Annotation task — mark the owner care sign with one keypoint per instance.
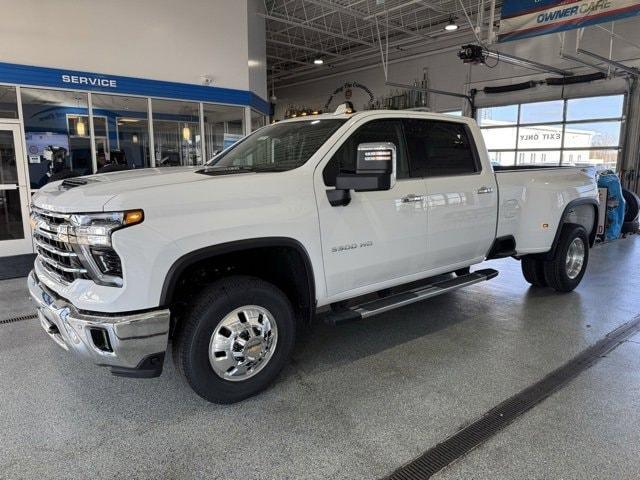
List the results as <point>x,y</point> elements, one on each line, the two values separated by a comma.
<point>529,18</point>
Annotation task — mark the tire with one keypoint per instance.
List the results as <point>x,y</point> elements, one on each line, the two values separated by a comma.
<point>204,328</point>
<point>632,208</point>
<point>630,227</point>
<point>560,274</point>
<point>533,271</point>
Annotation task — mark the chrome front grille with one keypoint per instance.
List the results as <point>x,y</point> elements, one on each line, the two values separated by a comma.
<point>57,257</point>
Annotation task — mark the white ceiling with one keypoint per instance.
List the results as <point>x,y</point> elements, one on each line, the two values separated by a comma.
<point>349,33</point>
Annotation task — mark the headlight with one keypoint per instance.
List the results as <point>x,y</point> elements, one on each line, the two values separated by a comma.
<point>95,229</point>
<point>90,237</point>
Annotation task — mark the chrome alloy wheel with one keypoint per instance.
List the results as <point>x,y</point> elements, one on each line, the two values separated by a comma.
<point>243,343</point>
<point>575,258</point>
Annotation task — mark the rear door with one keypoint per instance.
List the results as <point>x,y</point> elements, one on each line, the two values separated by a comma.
<point>461,194</point>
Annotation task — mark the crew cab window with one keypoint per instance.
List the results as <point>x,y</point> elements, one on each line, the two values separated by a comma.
<point>344,160</point>
<point>438,148</point>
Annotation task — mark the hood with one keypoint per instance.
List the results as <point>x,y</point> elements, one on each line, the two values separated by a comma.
<point>93,192</point>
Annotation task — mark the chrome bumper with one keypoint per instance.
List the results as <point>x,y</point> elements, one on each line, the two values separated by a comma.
<point>131,345</point>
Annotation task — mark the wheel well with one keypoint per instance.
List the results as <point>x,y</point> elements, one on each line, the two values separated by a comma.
<point>584,212</point>
<point>285,265</point>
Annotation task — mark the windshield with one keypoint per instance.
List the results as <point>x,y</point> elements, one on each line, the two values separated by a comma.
<point>277,147</point>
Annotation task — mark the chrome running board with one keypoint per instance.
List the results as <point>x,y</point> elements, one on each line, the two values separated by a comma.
<point>385,304</point>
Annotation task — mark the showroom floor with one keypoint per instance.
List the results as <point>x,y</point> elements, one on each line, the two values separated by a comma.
<point>358,400</point>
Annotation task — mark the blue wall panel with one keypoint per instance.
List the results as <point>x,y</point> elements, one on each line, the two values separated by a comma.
<point>97,82</point>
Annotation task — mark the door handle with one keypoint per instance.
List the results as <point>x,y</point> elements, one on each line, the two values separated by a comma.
<point>482,190</point>
<point>412,197</point>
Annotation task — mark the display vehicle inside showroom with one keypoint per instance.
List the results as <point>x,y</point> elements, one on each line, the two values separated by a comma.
<point>311,239</point>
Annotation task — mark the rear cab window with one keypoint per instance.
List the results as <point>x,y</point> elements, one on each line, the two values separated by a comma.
<point>439,148</point>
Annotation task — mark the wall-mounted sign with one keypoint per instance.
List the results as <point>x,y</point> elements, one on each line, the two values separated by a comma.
<point>33,76</point>
<point>90,81</point>
<point>529,18</point>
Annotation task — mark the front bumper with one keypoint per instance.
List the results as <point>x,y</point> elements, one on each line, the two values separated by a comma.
<point>130,345</point>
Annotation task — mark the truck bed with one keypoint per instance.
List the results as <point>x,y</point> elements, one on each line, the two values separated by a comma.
<point>533,199</point>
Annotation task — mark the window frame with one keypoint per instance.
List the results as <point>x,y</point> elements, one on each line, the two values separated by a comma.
<point>479,167</point>
<point>563,150</point>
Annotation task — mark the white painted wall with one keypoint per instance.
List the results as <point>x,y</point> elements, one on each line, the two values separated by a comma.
<point>155,39</point>
<point>447,72</point>
<point>257,49</point>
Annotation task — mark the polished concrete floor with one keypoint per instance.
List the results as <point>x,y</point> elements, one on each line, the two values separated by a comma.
<point>358,400</point>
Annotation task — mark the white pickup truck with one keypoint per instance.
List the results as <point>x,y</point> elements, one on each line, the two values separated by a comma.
<point>352,214</point>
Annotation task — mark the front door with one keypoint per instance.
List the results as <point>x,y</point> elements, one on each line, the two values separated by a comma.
<point>379,237</point>
<point>15,235</point>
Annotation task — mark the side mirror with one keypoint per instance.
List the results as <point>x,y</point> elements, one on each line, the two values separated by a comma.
<point>375,170</point>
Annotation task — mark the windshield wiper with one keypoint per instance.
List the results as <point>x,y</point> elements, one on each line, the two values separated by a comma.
<point>270,168</point>
<point>213,170</point>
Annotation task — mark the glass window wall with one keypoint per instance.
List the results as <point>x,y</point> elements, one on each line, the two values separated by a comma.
<point>582,131</point>
<point>8,102</point>
<point>58,131</point>
<point>223,126</point>
<point>257,120</point>
<point>176,133</point>
<point>56,134</point>
<point>121,127</point>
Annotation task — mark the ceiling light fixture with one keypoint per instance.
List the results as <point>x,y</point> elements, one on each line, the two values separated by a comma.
<point>318,61</point>
<point>452,26</point>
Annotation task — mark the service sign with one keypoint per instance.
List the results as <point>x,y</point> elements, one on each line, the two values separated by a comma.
<point>530,18</point>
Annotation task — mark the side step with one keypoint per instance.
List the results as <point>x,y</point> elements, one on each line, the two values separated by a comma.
<point>377,306</point>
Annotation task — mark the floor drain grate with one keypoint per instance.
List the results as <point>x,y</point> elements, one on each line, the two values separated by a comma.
<point>19,318</point>
<point>443,454</point>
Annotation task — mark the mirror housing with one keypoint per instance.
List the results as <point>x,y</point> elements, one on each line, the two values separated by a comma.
<point>375,171</point>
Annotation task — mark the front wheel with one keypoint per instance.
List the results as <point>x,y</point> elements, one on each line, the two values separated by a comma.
<point>236,339</point>
<point>565,271</point>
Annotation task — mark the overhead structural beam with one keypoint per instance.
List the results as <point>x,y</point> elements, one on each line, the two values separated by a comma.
<point>369,54</point>
<point>621,66</point>
<point>584,62</point>
<point>523,62</point>
<point>429,90</point>
<point>290,60</point>
<point>423,3</point>
<point>305,48</point>
<point>359,15</point>
<point>619,37</point>
<point>306,26</point>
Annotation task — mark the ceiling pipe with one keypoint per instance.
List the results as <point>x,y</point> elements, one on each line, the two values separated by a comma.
<point>374,53</point>
<point>359,15</point>
<point>584,62</point>
<point>313,28</point>
<point>369,67</point>
<point>428,90</point>
<point>633,71</point>
<point>523,62</point>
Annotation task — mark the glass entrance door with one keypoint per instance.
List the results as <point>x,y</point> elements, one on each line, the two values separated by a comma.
<point>15,236</point>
